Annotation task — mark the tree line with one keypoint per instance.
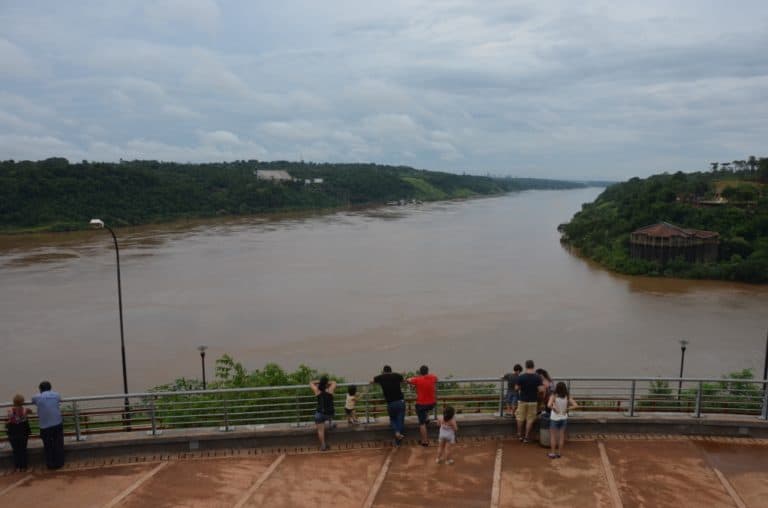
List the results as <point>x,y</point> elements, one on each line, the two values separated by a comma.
<point>56,195</point>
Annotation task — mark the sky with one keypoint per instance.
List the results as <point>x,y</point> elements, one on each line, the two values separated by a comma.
<point>550,89</point>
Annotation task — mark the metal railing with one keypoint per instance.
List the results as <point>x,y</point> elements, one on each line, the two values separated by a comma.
<point>227,409</point>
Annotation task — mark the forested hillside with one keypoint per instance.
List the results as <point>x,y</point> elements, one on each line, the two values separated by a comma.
<point>56,195</point>
<point>733,203</point>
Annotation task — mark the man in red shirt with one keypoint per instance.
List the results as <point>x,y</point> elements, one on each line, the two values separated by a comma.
<point>426,398</point>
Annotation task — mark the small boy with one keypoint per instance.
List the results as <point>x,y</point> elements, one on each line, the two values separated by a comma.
<point>349,405</point>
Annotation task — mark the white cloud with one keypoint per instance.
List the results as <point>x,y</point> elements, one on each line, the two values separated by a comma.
<point>201,15</point>
<point>16,62</point>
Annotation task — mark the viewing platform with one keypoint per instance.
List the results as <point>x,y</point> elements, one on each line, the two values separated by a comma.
<point>634,442</point>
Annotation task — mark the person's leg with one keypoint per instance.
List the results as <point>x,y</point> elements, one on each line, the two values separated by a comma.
<point>47,439</point>
<point>401,418</point>
<point>529,420</point>
<point>562,438</point>
<point>23,454</point>
<point>447,453</point>
<point>321,434</point>
<point>16,448</point>
<point>552,440</point>
<point>391,412</point>
<point>58,445</point>
<point>440,448</point>
<point>520,421</point>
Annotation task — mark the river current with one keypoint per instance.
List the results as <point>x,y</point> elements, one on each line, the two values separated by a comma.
<point>467,287</point>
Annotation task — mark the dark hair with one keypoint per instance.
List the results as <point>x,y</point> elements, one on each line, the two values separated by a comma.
<point>387,369</point>
<point>561,390</point>
<point>352,389</point>
<point>543,373</point>
<point>423,370</point>
<point>517,368</point>
<point>45,386</point>
<point>323,383</point>
<point>448,413</point>
<point>529,364</point>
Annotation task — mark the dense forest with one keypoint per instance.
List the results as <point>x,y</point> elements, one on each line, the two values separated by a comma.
<point>730,199</point>
<point>55,195</point>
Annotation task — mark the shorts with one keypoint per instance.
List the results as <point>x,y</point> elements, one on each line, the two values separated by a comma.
<point>321,418</point>
<point>447,435</point>
<point>526,411</point>
<point>422,411</point>
<point>348,411</point>
<point>558,424</point>
<point>512,398</point>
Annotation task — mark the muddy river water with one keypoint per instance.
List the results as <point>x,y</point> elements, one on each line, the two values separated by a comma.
<point>468,287</point>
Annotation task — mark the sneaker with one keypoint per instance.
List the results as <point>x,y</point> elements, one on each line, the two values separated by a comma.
<point>425,444</point>
<point>525,440</point>
<point>449,461</point>
<point>325,447</point>
<point>557,455</point>
<point>438,461</point>
<point>552,455</point>
<point>521,438</point>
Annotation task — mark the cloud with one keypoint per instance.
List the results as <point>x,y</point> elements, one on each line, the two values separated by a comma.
<point>562,89</point>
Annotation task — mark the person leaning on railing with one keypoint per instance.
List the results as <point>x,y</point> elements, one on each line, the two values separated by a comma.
<point>17,427</point>
<point>51,425</point>
<point>323,390</point>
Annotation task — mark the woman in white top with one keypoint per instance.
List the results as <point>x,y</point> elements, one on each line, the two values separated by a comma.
<point>559,403</point>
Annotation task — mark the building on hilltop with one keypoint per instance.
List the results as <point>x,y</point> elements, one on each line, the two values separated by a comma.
<point>665,242</point>
<point>273,175</point>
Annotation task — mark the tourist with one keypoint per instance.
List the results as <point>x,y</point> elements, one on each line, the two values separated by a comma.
<point>51,425</point>
<point>426,398</point>
<point>349,405</point>
<point>529,384</point>
<point>512,394</point>
<point>559,402</point>
<point>17,427</point>
<point>390,385</point>
<point>447,436</point>
<point>323,390</point>
<point>549,389</point>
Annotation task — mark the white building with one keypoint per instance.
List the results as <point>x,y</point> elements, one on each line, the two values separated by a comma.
<point>275,176</point>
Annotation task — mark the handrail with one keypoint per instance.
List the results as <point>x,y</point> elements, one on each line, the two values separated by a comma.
<point>441,381</point>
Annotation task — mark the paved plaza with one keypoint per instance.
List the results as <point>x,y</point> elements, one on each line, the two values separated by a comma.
<point>596,470</point>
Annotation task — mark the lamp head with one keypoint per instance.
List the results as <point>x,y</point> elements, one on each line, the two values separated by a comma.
<point>97,223</point>
<point>202,349</point>
<point>683,343</point>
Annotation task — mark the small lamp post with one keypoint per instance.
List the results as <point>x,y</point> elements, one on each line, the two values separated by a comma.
<point>202,362</point>
<point>99,224</point>
<point>683,346</point>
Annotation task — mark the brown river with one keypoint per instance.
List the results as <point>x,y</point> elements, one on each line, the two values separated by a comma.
<point>467,287</point>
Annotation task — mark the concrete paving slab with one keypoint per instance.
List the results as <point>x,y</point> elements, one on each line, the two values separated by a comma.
<point>199,483</point>
<point>339,479</point>
<point>744,466</point>
<point>658,474</point>
<point>9,479</point>
<point>82,488</point>
<point>415,480</point>
<point>529,478</point>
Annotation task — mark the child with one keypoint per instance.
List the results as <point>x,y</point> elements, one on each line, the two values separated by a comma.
<point>559,403</point>
<point>447,437</point>
<point>349,405</point>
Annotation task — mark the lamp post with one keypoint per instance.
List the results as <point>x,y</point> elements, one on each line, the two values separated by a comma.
<point>99,224</point>
<point>202,362</point>
<point>683,346</point>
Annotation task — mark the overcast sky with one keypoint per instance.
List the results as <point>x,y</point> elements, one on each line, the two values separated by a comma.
<point>547,89</point>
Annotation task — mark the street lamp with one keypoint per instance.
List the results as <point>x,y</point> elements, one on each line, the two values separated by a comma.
<point>99,224</point>
<point>202,361</point>
<point>683,346</point>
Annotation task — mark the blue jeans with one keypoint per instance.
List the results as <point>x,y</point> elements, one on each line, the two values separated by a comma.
<point>396,412</point>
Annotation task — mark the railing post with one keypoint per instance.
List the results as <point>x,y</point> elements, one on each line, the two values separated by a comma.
<point>367,404</point>
<point>298,413</point>
<point>699,394</point>
<point>153,416</point>
<point>501,398</point>
<point>226,414</point>
<point>632,398</point>
<point>76,414</point>
<point>764,412</point>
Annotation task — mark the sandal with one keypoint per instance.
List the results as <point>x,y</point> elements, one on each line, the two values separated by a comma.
<point>552,455</point>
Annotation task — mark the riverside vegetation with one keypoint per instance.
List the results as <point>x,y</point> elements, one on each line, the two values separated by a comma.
<point>732,203</point>
<point>56,195</point>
